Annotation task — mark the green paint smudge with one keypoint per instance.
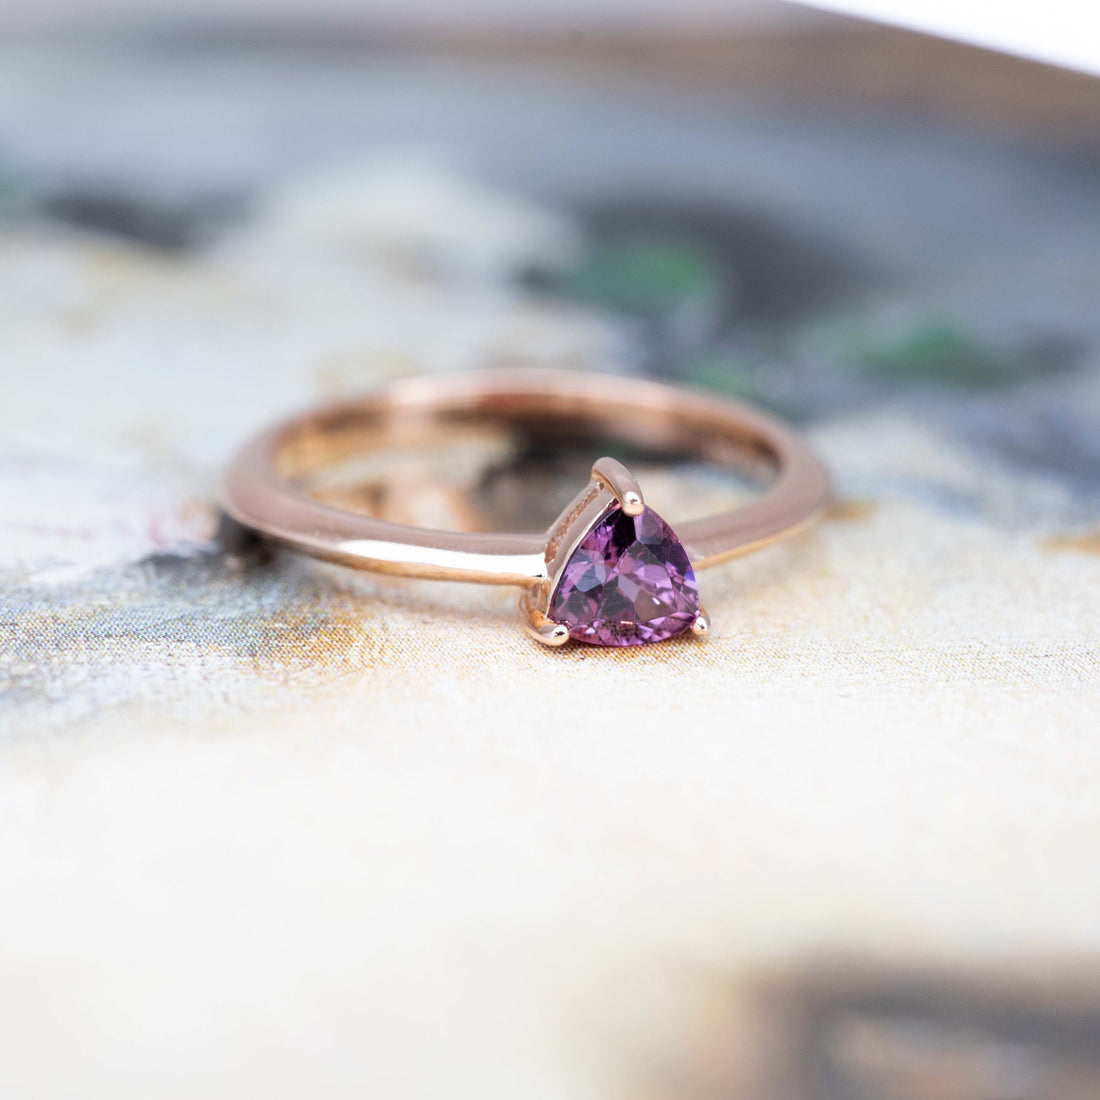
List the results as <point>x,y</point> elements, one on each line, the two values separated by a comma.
<point>939,352</point>
<point>648,274</point>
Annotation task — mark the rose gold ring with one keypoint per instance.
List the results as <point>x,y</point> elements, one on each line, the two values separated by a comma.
<point>609,570</point>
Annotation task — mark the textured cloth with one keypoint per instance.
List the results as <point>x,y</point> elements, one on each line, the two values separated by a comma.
<point>275,828</point>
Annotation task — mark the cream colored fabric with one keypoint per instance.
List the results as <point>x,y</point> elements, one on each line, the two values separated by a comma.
<point>294,831</point>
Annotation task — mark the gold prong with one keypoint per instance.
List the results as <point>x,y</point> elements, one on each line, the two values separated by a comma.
<point>701,627</point>
<point>547,631</point>
<point>617,479</point>
<point>539,625</point>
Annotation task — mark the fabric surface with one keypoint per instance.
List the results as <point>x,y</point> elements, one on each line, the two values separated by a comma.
<point>269,827</point>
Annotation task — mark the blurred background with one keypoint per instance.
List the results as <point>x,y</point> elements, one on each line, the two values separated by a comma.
<point>214,213</point>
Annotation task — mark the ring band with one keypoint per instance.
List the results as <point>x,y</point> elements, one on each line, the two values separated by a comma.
<point>609,568</point>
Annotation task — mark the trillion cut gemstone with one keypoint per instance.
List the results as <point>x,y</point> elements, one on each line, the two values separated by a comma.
<point>628,582</point>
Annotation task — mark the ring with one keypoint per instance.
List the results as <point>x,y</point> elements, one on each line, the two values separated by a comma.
<point>609,571</point>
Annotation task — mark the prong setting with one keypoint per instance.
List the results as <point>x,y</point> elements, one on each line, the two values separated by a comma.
<point>615,573</point>
<point>549,633</point>
<point>621,483</point>
<point>701,627</point>
<point>539,625</point>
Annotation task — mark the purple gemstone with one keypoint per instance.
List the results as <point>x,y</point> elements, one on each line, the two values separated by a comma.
<point>628,582</point>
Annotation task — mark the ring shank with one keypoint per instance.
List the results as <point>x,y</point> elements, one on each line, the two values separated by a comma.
<point>260,492</point>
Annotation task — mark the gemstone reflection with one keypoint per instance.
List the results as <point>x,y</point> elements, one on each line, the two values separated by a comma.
<point>628,582</point>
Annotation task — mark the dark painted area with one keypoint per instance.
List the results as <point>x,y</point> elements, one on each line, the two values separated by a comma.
<point>933,1036</point>
<point>856,1030</point>
<point>756,265</point>
<point>156,221</point>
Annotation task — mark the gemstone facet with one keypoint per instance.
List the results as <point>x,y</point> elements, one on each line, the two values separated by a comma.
<point>628,582</point>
